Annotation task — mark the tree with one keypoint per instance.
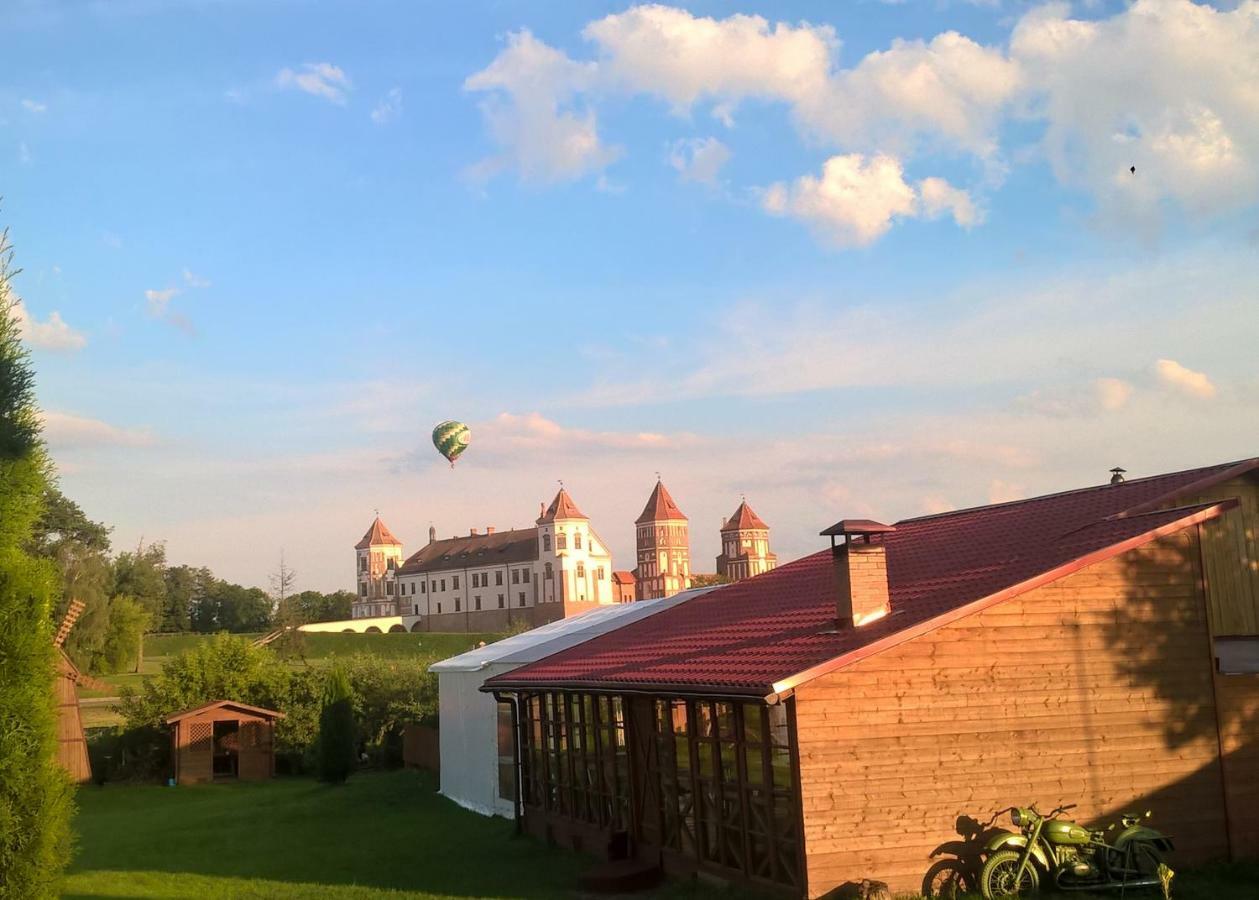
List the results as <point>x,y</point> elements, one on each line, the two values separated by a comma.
<point>142,576</point>
<point>282,581</point>
<point>708,580</point>
<point>124,639</point>
<point>336,729</point>
<point>35,798</point>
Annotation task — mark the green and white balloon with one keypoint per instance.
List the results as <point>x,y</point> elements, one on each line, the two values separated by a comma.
<point>451,438</point>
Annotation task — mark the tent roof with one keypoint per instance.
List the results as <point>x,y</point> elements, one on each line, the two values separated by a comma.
<point>538,643</point>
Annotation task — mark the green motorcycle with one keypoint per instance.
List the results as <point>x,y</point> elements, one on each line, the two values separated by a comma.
<point>1072,857</point>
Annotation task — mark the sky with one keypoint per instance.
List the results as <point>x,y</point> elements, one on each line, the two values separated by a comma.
<point>844,259</point>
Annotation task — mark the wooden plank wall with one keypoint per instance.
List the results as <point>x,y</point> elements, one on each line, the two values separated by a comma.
<point>1095,690</point>
<point>1237,702</point>
<point>71,743</point>
<point>1230,556</point>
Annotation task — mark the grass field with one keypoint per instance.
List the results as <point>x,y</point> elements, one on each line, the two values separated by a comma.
<point>385,835</point>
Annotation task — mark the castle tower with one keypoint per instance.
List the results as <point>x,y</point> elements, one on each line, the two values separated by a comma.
<point>378,557</point>
<point>664,547</point>
<point>576,566</point>
<point>744,546</point>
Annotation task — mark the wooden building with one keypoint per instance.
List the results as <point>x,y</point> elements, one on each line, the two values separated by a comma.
<point>829,721</point>
<point>71,742</point>
<point>223,741</point>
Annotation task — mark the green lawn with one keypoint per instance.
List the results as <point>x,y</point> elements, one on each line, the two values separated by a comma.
<point>383,835</point>
<point>386,835</point>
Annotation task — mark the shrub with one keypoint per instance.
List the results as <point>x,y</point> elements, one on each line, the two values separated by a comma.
<point>336,729</point>
<point>35,797</point>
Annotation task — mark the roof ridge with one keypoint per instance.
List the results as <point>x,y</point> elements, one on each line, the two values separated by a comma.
<point>1066,493</point>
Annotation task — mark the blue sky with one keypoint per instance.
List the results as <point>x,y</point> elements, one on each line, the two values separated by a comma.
<point>844,258</point>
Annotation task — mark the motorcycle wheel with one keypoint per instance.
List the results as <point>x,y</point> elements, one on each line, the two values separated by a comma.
<point>947,879</point>
<point>997,880</point>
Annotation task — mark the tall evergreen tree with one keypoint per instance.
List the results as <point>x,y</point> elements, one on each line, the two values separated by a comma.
<point>336,729</point>
<point>35,793</point>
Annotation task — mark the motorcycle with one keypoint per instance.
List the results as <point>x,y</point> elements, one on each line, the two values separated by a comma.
<point>1072,857</point>
<point>958,874</point>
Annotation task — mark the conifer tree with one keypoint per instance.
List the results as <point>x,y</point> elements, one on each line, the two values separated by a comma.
<point>336,729</point>
<point>35,795</point>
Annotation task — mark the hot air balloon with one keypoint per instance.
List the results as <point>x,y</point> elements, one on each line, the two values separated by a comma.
<point>451,438</point>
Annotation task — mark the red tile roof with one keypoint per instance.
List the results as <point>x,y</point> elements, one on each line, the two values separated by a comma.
<point>769,633</point>
<point>621,576</point>
<point>744,519</point>
<point>660,507</point>
<point>562,507</point>
<point>378,534</point>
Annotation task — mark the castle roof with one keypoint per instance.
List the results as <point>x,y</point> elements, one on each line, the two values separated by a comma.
<point>774,632</point>
<point>660,507</point>
<point>377,535</point>
<point>744,519</point>
<point>499,548</point>
<point>562,507</point>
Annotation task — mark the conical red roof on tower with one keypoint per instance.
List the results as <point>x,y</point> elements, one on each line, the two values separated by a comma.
<point>378,534</point>
<point>562,507</point>
<point>743,519</point>
<point>660,507</point>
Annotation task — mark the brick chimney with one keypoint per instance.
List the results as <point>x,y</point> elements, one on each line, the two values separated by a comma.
<point>860,565</point>
<point>472,533</point>
<point>489,529</point>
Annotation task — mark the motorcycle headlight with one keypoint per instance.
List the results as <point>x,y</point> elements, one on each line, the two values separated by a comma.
<point>1016,818</point>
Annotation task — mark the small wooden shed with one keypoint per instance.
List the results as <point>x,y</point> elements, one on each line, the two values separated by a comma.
<point>223,741</point>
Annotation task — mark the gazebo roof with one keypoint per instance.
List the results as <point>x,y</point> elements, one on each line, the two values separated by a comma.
<point>220,704</point>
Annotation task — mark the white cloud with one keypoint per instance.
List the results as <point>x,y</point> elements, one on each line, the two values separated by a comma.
<point>1166,86</point>
<point>34,106</point>
<point>54,333</point>
<point>939,197</point>
<point>856,199</point>
<point>1173,375</point>
<point>317,79</point>
<point>531,114</point>
<point>699,159</point>
<point>194,280</point>
<point>66,431</point>
<point>389,107</point>
<point>24,154</point>
<point>511,433</point>
<point>1112,393</point>
<point>159,300</point>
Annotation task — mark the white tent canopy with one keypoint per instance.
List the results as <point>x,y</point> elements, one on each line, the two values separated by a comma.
<point>475,746</point>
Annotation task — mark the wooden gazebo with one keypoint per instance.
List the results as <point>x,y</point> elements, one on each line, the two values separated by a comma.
<point>223,741</point>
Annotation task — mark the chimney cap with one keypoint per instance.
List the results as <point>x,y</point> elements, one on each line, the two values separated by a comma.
<point>857,526</point>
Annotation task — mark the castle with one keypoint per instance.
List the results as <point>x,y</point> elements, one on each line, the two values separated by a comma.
<point>494,581</point>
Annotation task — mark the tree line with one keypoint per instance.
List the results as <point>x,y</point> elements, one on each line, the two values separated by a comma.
<point>137,591</point>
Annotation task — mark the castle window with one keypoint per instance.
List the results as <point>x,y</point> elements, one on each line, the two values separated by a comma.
<point>599,574</point>
<point>439,608</point>
<point>392,564</point>
<point>576,540</point>
<point>498,577</point>
<point>362,590</point>
<point>581,570</point>
<point>443,584</point>
<point>546,542</point>
<point>362,563</point>
<point>515,576</point>
<point>521,596</point>
<point>525,575</point>
<point>423,587</point>
<point>415,610</point>
<point>478,601</point>
<point>500,601</point>
<point>548,574</point>
<point>561,541</point>
<point>456,604</point>
<point>454,582</point>
<point>389,588</point>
